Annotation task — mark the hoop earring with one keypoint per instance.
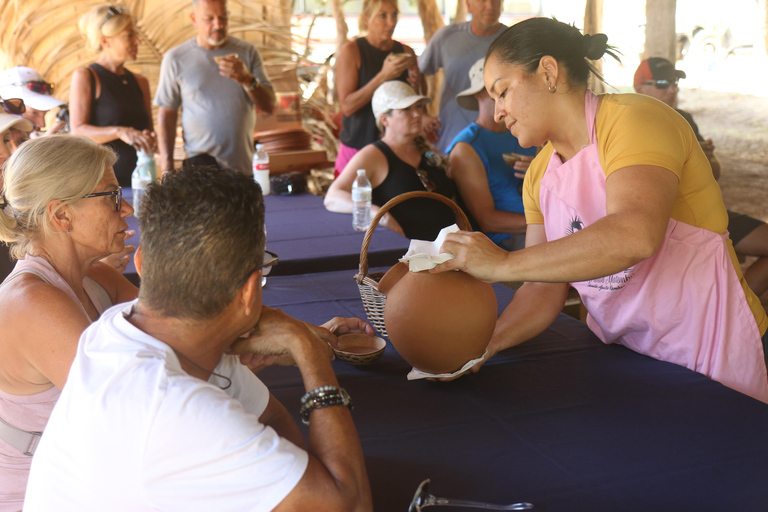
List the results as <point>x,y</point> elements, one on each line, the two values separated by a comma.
<point>550,89</point>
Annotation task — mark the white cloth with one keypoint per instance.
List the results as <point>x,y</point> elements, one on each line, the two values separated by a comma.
<point>415,374</point>
<point>424,255</point>
<point>132,431</point>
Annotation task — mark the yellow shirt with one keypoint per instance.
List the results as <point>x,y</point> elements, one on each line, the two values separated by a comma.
<point>634,129</point>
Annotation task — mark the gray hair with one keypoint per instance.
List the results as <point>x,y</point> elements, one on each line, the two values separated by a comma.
<point>58,167</point>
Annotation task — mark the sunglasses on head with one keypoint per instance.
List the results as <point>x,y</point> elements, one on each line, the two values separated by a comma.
<point>662,84</point>
<point>13,106</point>
<point>112,12</point>
<point>38,86</point>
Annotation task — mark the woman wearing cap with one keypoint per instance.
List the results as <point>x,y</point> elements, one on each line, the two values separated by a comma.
<point>487,184</point>
<point>621,203</point>
<point>26,84</point>
<point>60,212</point>
<point>364,64</point>
<point>107,102</point>
<point>400,162</point>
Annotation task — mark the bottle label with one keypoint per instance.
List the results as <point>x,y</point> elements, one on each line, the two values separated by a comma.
<point>361,195</point>
<point>261,167</point>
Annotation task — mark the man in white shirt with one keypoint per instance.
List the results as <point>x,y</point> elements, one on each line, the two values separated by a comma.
<point>156,415</point>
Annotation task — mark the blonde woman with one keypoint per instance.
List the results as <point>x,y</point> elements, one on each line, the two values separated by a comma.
<point>61,210</point>
<point>362,65</point>
<point>107,102</point>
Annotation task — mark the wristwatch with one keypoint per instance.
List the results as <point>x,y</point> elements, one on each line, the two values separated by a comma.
<point>254,85</point>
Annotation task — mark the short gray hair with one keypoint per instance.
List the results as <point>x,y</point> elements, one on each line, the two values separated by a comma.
<point>63,167</point>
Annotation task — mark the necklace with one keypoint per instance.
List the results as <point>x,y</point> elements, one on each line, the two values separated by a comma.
<point>229,381</point>
<point>178,353</point>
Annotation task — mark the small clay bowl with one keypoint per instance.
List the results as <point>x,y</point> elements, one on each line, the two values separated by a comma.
<point>359,349</point>
<point>511,158</point>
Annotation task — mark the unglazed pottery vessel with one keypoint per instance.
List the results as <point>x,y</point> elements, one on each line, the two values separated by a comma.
<point>437,322</point>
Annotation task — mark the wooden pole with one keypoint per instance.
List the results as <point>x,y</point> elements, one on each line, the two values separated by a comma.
<point>660,33</point>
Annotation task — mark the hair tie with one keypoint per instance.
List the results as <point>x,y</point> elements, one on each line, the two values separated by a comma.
<point>594,45</point>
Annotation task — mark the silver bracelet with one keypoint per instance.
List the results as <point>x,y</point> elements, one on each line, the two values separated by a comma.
<point>324,396</point>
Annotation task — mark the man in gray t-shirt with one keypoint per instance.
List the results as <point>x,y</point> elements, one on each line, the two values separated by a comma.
<point>455,48</point>
<point>218,81</point>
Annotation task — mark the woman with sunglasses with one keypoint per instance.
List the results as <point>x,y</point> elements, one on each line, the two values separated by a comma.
<point>107,102</point>
<point>621,204</point>
<point>61,211</point>
<point>400,162</point>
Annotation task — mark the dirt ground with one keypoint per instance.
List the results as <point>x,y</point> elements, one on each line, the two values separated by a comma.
<point>738,126</point>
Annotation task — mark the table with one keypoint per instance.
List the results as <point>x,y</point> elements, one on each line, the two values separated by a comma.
<point>563,421</point>
<point>309,238</point>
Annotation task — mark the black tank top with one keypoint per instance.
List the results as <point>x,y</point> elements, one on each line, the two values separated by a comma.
<point>359,129</point>
<point>420,218</point>
<point>120,103</point>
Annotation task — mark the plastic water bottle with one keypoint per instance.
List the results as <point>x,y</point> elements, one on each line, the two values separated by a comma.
<point>361,199</point>
<point>261,168</point>
<point>144,174</point>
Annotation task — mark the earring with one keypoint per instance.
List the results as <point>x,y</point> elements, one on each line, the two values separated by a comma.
<point>69,230</point>
<point>549,87</point>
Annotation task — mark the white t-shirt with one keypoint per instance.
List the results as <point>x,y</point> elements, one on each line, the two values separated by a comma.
<point>132,431</point>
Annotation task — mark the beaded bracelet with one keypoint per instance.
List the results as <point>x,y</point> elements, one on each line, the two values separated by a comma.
<point>324,396</point>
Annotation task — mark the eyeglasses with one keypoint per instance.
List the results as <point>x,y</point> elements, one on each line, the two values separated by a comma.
<point>14,106</point>
<point>270,260</point>
<point>117,193</point>
<point>114,10</point>
<point>662,84</point>
<point>424,178</point>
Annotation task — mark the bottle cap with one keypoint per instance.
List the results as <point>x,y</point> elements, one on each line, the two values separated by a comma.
<point>259,147</point>
<point>360,172</point>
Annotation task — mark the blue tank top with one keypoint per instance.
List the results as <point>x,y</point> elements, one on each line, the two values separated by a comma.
<point>502,182</point>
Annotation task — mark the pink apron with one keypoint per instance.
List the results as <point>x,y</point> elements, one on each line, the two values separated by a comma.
<point>684,305</point>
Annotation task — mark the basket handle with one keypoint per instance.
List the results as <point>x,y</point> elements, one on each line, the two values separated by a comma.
<point>461,220</point>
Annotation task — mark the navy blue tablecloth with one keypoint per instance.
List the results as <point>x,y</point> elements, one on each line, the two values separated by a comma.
<point>308,238</point>
<point>562,421</point>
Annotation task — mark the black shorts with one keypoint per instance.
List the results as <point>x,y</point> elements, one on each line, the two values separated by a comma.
<point>740,225</point>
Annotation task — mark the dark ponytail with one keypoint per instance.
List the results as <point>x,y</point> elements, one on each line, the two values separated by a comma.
<point>525,43</point>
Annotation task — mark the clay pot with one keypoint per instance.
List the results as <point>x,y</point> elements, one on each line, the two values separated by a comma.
<point>437,322</point>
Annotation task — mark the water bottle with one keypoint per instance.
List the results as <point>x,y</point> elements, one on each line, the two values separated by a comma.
<point>144,174</point>
<point>261,168</point>
<point>361,199</point>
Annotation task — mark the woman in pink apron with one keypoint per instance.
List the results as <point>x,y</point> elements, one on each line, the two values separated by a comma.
<point>621,204</point>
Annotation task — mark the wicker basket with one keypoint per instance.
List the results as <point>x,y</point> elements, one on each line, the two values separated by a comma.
<point>373,300</point>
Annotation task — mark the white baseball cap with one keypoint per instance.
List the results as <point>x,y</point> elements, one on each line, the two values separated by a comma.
<point>466,98</point>
<point>8,121</point>
<point>393,95</point>
<point>15,83</point>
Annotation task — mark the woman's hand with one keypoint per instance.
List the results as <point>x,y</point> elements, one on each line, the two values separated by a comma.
<point>143,140</point>
<point>473,253</point>
<point>430,126</point>
<point>394,66</point>
<point>119,260</point>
